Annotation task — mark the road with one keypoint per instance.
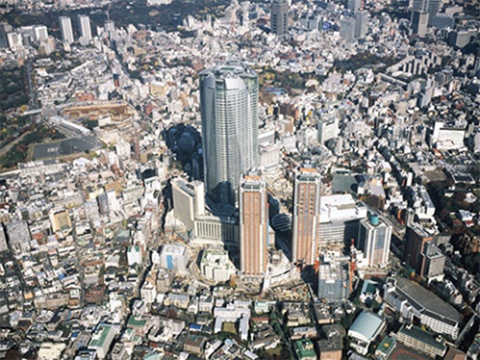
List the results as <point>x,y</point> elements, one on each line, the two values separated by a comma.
<point>11,144</point>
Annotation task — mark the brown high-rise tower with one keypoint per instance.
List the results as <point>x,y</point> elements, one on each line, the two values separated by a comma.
<point>306,216</point>
<point>253,226</point>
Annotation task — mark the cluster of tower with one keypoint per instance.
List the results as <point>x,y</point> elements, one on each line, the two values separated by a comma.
<point>229,108</point>
<point>84,27</point>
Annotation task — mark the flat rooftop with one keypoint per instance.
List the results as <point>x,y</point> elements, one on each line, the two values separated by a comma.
<point>426,299</point>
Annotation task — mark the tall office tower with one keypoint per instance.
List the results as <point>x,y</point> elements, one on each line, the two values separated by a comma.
<point>279,17</point>
<point>253,225</point>
<point>416,239</point>
<point>361,24</point>
<point>85,29</point>
<point>419,23</point>
<point>5,28</point>
<point>432,7</point>
<point>306,216</point>
<point>66,29</point>
<point>374,239</point>
<point>229,107</point>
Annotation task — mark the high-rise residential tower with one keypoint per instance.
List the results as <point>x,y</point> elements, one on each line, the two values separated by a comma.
<point>229,107</point>
<point>306,216</point>
<point>66,29</point>
<point>279,17</point>
<point>374,240</point>
<point>85,28</point>
<point>253,226</point>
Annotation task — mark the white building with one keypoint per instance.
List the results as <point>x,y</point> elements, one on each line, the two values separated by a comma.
<point>174,257</point>
<point>40,33</point>
<point>414,303</point>
<point>327,126</point>
<point>216,265</point>
<point>134,256</point>
<point>85,29</point>
<point>339,220</point>
<point>66,29</point>
<point>102,340</point>
<point>374,240</point>
<point>448,137</point>
<point>15,42</point>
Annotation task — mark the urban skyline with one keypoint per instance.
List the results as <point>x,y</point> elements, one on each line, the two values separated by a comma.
<point>230,180</point>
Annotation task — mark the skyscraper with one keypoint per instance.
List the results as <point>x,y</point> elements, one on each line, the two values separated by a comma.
<point>374,240</point>
<point>85,29</point>
<point>66,29</point>
<point>279,17</point>
<point>306,216</point>
<point>229,107</point>
<point>419,22</point>
<point>253,225</point>
<point>432,7</point>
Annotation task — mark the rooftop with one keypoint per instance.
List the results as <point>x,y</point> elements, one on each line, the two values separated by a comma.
<point>423,336</point>
<point>427,300</point>
<point>366,325</point>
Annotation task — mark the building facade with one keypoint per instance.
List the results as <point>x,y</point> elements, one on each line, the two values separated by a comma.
<point>66,29</point>
<point>279,17</point>
<point>306,216</point>
<point>374,240</point>
<point>85,28</point>
<point>229,108</point>
<point>253,226</point>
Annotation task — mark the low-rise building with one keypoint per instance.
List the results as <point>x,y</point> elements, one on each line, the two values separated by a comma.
<point>366,327</point>
<point>417,304</point>
<point>423,341</point>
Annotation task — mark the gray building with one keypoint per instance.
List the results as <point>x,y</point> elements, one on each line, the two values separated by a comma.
<point>66,29</point>
<point>419,23</point>
<point>347,28</point>
<point>434,263</point>
<point>432,7</point>
<point>355,5</point>
<point>361,24</point>
<point>279,17</point>
<point>333,282</point>
<point>229,108</point>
